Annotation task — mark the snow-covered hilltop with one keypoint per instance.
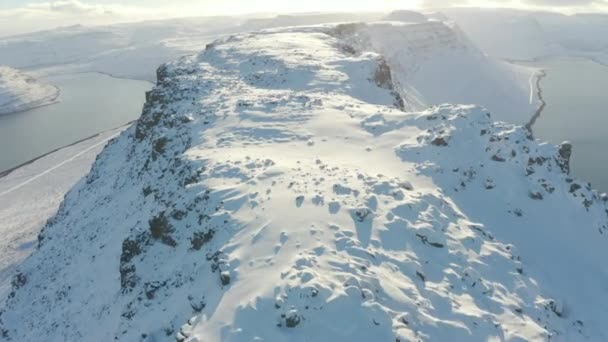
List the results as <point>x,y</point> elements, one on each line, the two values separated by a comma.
<point>19,92</point>
<point>274,190</point>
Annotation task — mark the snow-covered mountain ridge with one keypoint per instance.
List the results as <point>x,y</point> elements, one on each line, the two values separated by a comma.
<point>19,92</point>
<point>274,190</point>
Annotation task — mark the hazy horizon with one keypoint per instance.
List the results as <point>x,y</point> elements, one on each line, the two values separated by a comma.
<point>24,16</point>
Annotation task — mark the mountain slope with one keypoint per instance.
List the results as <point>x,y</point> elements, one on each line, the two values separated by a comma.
<point>19,92</point>
<point>273,190</point>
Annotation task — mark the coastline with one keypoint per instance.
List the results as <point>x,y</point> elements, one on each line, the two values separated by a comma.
<point>48,102</point>
<point>55,99</point>
<point>539,94</point>
<point>11,170</point>
<point>96,72</point>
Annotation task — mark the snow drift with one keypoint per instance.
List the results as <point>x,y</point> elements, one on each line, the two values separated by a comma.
<point>19,92</point>
<point>274,190</point>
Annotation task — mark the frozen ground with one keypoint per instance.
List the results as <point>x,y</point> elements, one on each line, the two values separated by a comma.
<point>275,190</point>
<point>19,91</point>
<point>31,194</point>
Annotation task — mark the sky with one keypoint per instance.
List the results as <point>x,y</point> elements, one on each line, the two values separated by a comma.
<point>20,16</point>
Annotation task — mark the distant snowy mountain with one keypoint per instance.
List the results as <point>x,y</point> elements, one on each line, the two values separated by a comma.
<point>406,16</point>
<point>131,50</point>
<point>505,33</point>
<point>19,92</point>
<point>135,50</point>
<point>524,35</point>
<point>434,63</point>
<point>275,190</point>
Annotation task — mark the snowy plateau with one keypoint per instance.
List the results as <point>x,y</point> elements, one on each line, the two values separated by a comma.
<point>291,185</point>
<point>19,92</point>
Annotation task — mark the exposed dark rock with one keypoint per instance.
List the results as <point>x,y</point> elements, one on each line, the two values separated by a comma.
<point>19,280</point>
<point>161,229</point>
<point>147,191</point>
<point>362,214</point>
<point>498,158</point>
<point>292,320</point>
<point>159,145</point>
<point>225,278</point>
<point>162,74</point>
<point>178,215</point>
<point>557,309</point>
<point>383,78</point>
<point>130,249</point>
<point>440,141</point>
<point>199,239</point>
<point>348,49</point>
<point>197,305</point>
<point>151,288</point>
<point>535,195</point>
<point>426,241</point>
<point>574,187</point>
<point>128,277</point>
<point>565,152</point>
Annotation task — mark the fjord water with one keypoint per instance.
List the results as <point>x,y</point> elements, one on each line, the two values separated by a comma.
<point>575,90</point>
<point>89,103</point>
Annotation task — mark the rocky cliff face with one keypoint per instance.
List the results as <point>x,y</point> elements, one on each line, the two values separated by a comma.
<point>274,190</point>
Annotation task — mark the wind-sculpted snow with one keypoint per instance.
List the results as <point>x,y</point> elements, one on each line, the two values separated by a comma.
<point>19,92</point>
<point>273,190</point>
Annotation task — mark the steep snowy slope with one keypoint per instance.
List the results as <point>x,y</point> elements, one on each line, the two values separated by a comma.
<point>31,194</point>
<point>435,63</point>
<point>19,91</point>
<point>505,33</point>
<point>274,191</point>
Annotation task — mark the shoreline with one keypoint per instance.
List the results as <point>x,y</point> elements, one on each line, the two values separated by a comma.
<point>49,102</point>
<point>11,170</point>
<point>539,93</point>
<point>96,72</point>
<point>55,100</point>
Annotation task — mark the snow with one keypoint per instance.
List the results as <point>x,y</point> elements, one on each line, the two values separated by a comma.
<point>19,92</point>
<point>30,195</point>
<point>274,190</point>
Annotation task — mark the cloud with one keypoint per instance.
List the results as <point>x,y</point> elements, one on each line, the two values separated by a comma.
<point>581,5</point>
<point>70,7</point>
<point>76,7</point>
<point>52,13</point>
<point>47,15</point>
<point>566,3</point>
